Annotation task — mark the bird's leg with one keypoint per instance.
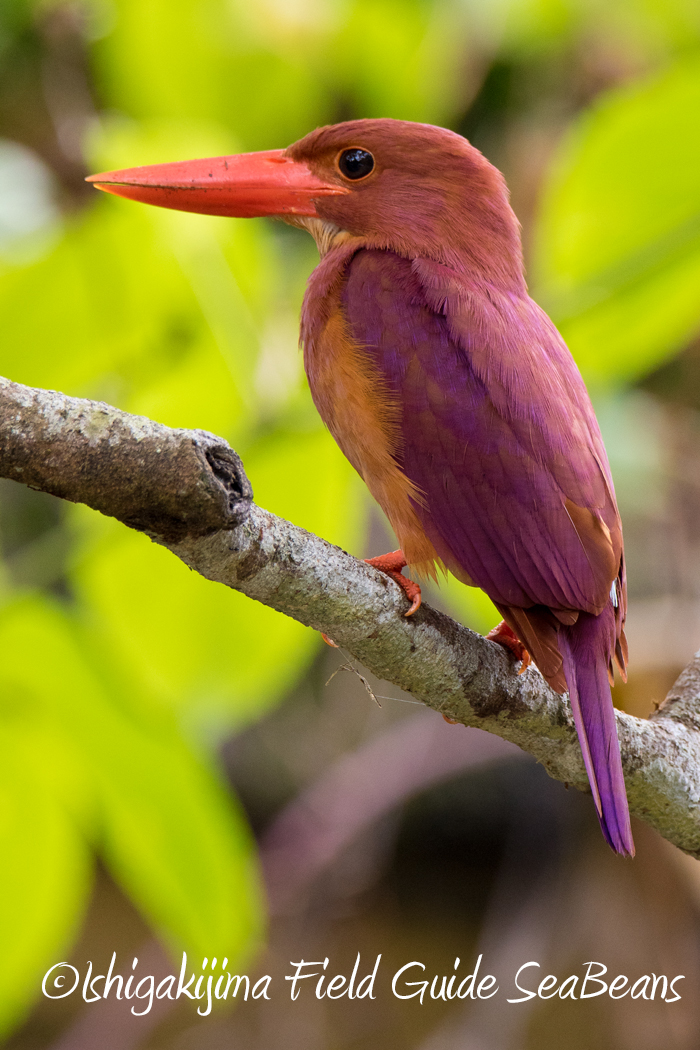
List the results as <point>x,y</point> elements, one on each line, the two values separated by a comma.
<point>391,565</point>
<point>506,637</point>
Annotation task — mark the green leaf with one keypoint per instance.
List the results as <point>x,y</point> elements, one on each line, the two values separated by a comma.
<point>45,876</point>
<point>165,825</point>
<point>177,78</point>
<point>618,242</point>
<point>210,64</point>
<point>98,312</point>
<point>179,845</point>
<point>399,58</point>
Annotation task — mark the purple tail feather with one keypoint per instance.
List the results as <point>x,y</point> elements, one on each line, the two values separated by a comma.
<point>586,648</point>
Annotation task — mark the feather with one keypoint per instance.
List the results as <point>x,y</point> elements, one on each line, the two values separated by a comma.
<point>594,716</point>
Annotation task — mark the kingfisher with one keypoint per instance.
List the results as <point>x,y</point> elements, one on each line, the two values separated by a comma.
<point>449,390</point>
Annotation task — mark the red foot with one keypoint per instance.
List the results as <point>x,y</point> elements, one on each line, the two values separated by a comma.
<point>391,565</point>
<point>510,641</point>
<point>329,641</point>
<point>451,721</point>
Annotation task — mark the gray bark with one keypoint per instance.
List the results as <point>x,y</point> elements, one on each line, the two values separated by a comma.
<point>187,490</point>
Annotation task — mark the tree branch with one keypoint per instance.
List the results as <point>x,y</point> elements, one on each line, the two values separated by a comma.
<point>187,490</point>
<point>168,483</point>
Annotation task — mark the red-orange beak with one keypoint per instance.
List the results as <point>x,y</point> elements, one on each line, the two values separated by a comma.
<point>246,185</point>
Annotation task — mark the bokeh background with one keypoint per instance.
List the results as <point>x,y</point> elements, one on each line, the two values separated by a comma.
<point>179,769</point>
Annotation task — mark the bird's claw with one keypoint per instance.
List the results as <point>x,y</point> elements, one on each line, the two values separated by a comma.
<point>503,635</point>
<point>391,565</point>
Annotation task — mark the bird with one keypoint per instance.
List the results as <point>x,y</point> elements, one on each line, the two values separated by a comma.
<point>449,390</point>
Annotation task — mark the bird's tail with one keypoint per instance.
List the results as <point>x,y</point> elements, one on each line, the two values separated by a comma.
<point>586,651</point>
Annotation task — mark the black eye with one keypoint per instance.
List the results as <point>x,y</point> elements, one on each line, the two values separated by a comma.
<point>355,163</point>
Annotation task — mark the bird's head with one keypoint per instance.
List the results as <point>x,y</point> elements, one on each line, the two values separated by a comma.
<point>419,190</point>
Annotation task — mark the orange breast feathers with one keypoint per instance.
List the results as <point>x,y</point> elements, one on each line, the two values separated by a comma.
<point>364,417</point>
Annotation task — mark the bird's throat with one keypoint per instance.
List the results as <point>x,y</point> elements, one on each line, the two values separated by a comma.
<point>326,234</point>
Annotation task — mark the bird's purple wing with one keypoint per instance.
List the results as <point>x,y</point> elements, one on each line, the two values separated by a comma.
<point>497,432</point>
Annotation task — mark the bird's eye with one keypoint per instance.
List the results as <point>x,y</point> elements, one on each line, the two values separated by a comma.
<point>355,163</point>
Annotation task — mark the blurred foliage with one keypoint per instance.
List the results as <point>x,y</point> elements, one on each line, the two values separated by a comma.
<point>122,672</point>
<point>618,255</point>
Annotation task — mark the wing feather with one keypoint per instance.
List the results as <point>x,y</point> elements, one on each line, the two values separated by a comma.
<point>497,432</point>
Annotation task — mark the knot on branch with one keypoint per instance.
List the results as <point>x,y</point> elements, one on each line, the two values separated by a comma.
<point>227,468</point>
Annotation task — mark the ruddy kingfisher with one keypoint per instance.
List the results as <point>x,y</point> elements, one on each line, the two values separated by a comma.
<point>449,390</point>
